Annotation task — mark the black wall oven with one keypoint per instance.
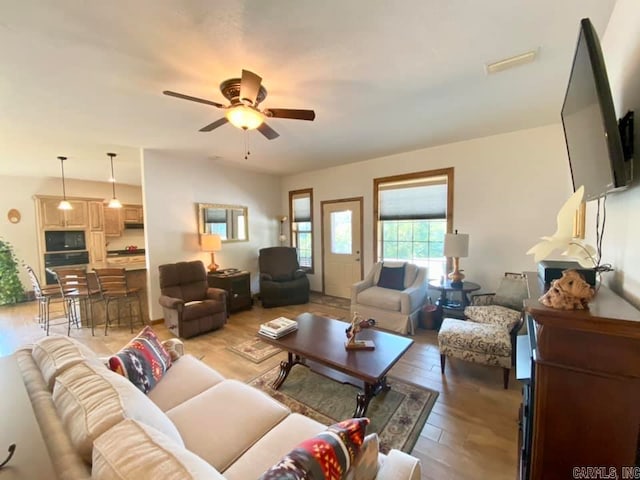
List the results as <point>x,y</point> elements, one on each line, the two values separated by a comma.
<point>64,240</point>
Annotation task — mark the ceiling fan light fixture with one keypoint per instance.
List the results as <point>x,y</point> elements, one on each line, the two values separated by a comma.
<point>244,117</point>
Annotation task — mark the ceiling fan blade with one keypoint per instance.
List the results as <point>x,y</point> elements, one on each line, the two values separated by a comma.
<point>267,131</point>
<point>290,113</point>
<point>216,124</point>
<point>193,99</point>
<point>249,86</point>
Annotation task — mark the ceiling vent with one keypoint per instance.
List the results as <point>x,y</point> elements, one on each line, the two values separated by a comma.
<point>511,62</point>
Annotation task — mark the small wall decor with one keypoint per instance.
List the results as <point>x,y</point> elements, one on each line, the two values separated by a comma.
<point>14,216</point>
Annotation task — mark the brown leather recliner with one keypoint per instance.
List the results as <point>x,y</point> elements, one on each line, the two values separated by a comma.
<point>190,306</point>
<point>282,282</point>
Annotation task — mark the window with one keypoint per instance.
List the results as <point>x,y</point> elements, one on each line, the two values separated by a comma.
<point>301,215</point>
<point>413,213</point>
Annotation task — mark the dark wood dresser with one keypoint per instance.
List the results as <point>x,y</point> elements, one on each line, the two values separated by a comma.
<point>238,287</point>
<point>581,394</point>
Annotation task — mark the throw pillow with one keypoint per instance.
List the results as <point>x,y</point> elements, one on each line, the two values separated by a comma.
<point>511,293</point>
<point>143,360</point>
<point>366,465</point>
<point>392,277</point>
<point>328,455</point>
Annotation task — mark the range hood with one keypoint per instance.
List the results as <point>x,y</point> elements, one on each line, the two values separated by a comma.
<point>134,226</point>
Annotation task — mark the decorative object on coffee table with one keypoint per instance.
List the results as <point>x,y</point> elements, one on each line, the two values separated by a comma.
<point>357,324</point>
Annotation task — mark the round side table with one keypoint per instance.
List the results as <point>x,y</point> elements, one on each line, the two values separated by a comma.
<point>453,298</point>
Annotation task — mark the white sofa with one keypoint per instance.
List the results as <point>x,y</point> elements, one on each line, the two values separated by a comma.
<point>193,424</point>
<point>394,310</point>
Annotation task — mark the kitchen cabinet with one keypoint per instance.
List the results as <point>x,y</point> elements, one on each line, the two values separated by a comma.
<point>97,247</point>
<point>132,214</point>
<point>113,224</point>
<point>96,216</point>
<point>52,218</point>
<point>125,259</point>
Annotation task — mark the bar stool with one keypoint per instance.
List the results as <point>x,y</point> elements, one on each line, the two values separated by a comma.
<point>44,296</point>
<point>76,292</point>
<point>113,287</point>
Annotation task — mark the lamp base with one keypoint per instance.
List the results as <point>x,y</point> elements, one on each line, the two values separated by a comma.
<point>213,266</point>
<point>456,276</point>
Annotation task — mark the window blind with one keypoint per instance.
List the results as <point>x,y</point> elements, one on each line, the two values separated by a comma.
<point>424,199</point>
<point>301,209</point>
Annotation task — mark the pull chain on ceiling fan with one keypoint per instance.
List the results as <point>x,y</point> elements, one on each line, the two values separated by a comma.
<point>245,95</point>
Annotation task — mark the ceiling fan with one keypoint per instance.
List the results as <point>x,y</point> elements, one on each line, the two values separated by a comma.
<point>245,95</point>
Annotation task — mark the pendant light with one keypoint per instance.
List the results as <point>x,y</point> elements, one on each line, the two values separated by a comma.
<point>64,204</point>
<point>114,202</point>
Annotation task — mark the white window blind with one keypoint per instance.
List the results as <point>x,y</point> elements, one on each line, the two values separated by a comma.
<point>417,200</point>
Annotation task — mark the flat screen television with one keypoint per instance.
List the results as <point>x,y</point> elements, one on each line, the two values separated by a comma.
<point>591,131</point>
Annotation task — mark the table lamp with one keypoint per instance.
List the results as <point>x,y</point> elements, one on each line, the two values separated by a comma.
<point>456,245</point>
<point>211,243</point>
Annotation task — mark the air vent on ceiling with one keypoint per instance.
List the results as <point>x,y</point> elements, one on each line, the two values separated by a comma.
<point>511,62</point>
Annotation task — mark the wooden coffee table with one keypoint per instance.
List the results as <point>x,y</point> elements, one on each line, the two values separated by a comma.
<point>321,340</point>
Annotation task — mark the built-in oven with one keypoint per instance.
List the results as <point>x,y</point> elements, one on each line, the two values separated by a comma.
<point>64,240</point>
<point>63,259</point>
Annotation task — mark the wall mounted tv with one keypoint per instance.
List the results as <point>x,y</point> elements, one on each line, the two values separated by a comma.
<point>593,137</point>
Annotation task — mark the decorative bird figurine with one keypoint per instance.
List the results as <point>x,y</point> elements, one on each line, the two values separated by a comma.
<point>563,236</point>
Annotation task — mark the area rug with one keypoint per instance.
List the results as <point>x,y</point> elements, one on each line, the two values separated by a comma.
<point>397,416</point>
<point>338,302</point>
<point>254,350</point>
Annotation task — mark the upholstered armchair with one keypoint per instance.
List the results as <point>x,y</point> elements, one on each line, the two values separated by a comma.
<point>190,306</point>
<point>392,295</point>
<point>488,336</point>
<point>282,282</point>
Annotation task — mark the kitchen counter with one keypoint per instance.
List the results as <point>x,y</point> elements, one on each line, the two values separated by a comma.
<point>127,266</point>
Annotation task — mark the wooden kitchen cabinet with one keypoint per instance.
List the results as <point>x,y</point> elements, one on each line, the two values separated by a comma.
<point>132,214</point>
<point>113,224</point>
<point>51,217</point>
<point>96,216</point>
<point>97,247</point>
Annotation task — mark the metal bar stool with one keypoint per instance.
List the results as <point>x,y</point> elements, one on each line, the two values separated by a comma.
<point>113,287</point>
<point>44,296</point>
<point>77,293</point>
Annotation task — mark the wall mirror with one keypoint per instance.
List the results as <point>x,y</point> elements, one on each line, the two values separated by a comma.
<point>231,222</point>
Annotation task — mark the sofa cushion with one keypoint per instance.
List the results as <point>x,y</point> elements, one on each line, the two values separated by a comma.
<point>511,293</point>
<point>493,315</point>
<point>222,422</point>
<point>185,379</point>
<point>56,353</point>
<point>392,277</point>
<point>410,272</point>
<point>367,463</point>
<point>328,455</point>
<point>143,360</point>
<point>199,309</point>
<point>273,446</point>
<point>382,298</point>
<point>90,400</point>
<point>132,449</point>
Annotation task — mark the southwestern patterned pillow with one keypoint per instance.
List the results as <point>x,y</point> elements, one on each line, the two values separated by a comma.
<point>143,360</point>
<point>328,455</point>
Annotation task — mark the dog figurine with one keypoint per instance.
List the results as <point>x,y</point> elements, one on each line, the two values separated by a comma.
<point>570,292</point>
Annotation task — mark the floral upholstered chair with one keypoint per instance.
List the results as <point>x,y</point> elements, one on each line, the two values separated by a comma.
<point>487,336</point>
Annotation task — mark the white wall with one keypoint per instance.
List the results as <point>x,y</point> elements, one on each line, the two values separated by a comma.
<point>172,188</point>
<point>507,191</point>
<point>18,192</point>
<point>621,50</point>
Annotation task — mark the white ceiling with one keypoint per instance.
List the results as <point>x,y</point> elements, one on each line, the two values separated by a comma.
<point>81,78</point>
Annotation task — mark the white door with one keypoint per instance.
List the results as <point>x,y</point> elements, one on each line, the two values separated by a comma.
<point>341,246</point>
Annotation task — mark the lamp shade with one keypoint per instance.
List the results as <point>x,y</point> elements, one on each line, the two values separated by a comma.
<point>210,243</point>
<point>456,245</point>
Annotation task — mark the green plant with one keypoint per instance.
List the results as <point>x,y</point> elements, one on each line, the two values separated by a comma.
<point>11,289</point>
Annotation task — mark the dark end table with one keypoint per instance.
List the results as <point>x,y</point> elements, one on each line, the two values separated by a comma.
<point>454,297</point>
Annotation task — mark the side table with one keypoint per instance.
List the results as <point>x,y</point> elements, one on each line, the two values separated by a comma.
<point>453,299</point>
<point>238,287</point>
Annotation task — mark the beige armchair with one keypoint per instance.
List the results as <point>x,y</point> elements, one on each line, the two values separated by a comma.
<point>396,309</point>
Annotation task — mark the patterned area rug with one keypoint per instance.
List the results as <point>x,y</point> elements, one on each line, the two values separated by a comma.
<point>255,350</point>
<point>397,416</point>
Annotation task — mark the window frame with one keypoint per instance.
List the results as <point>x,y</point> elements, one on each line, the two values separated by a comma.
<point>378,182</point>
<point>300,193</point>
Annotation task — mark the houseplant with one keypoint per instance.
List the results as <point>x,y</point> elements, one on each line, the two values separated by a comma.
<point>11,289</point>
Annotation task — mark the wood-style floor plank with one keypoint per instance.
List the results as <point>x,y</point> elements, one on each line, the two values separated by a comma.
<point>470,434</point>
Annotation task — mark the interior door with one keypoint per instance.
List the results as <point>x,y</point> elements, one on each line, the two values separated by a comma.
<point>341,245</point>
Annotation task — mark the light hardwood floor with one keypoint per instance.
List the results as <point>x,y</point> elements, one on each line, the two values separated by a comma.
<point>471,432</point>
